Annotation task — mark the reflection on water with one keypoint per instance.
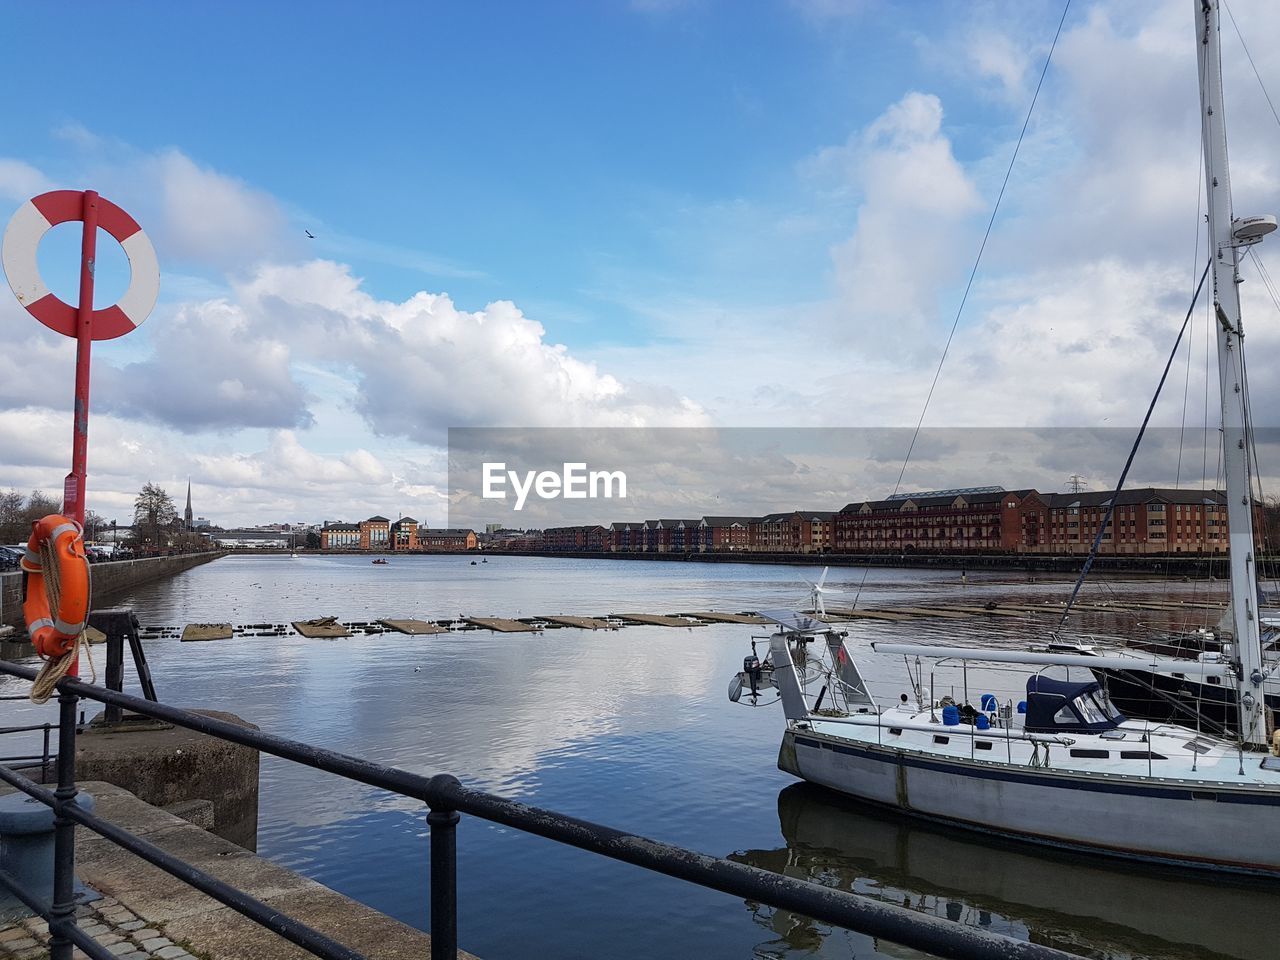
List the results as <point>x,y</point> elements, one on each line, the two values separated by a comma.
<point>630,728</point>
<point>1072,902</point>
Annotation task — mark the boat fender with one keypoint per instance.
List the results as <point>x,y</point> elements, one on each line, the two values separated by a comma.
<point>951,716</point>
<point>1275,743</point>
<point>54,631</point>
<point>982,723</point>
<point>1022,706</point>
<point>988,702</point>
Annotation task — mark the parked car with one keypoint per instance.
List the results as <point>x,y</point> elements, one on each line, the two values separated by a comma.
<point>9,557</point>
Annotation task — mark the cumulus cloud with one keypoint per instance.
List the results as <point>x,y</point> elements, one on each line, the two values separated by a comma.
<point>423,365</point>
<point>209,369</point>
<point>915,198</point>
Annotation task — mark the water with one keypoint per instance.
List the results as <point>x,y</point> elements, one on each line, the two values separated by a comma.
<point>632,729</point>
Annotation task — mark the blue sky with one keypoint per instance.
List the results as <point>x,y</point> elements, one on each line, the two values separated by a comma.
<point>580,214</point>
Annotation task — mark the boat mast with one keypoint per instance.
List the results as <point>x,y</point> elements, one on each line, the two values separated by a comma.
<point>1226,239</point>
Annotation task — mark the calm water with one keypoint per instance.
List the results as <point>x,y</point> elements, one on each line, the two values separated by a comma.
<point>633,729</point>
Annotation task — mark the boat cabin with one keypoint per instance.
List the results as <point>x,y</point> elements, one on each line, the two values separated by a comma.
<point>1065,706</point>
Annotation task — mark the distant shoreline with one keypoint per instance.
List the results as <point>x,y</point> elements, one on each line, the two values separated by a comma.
<point>1173,566</point>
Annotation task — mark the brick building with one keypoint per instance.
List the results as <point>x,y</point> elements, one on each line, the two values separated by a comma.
<point>580,539</point>
<point>449,540</point>
<point>798,531</point>
<point>723,534</point>
<point>973,520</point>
<point>1148,520</point>
<point>375,533</point>
<point>404,534</point>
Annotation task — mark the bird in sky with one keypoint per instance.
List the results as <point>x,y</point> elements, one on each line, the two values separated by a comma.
<point>309,234</point>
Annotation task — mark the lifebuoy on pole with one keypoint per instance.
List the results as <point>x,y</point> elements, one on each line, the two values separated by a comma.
<point>22,239</point>
<point>54,629</point>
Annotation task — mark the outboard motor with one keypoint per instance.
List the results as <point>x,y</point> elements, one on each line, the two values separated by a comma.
<point>751,667</point>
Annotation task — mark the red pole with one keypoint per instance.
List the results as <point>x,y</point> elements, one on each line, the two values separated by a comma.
<point>73,488</point>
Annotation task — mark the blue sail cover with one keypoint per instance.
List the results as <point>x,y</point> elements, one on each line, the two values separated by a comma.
<point>1065,706</point>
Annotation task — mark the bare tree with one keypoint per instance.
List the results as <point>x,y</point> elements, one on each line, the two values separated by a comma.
<point>154,517</point>
<point>12,517</point>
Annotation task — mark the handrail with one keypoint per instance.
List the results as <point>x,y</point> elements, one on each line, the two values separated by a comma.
<point>447,797</point>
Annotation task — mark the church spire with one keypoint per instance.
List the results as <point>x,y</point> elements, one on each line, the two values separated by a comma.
<point>187,515</point>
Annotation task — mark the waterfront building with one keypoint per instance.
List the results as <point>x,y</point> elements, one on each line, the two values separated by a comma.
<point>586,538</point>
<point>404,534</point>
<point>375,533</point>
<point>448,540</point>
<point>970,520</point>
<point>625,537</point>
<point>797,531</point>
<point>340,536</point>
<point>1148,520</point>
<point>718,534</point>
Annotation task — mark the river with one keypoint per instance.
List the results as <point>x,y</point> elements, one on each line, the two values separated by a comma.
<point>633,729</point>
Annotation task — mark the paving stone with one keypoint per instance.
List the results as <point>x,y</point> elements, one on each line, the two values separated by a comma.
<point>107,939</point>
<point>133,925</point>
<point>155,943</point>
<point>13,933</point>
<point>149,933</point>
<point>171,952</point>
<point>33,953</point>
<point>121,948</point>
<point>93,929</point>
<point>136,955</point>
<point>22,943</point>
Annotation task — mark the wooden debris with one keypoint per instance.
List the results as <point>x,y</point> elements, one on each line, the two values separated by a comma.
<point>206,631</point>
<point>654,620</point>
<point>500,624</point>
<point>414,627</point>
<point>711,616</point>
<point>321,628</point>
<point>582,623</point>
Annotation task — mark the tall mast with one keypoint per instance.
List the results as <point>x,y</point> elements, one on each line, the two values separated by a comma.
<point>1226,239</point>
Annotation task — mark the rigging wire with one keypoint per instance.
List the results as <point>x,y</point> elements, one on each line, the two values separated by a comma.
<point>1249,56</point>
<point>964,298</point>
<point>1111,507</point>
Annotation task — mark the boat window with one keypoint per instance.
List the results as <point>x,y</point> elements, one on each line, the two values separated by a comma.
<point>1112,734</point>
<point>1196,746</point>
<point>1215,680</point>
<point>1091,710</point>
<point>938,739</point>
<point>984,744</point>
<point>1091,754</point>
<point>1065,715</point>
<point>1141,755</point>
<point>895,731</point>
<point>1271,763</point>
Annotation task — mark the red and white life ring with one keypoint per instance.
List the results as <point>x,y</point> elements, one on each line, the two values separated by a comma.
<point>22,238</point>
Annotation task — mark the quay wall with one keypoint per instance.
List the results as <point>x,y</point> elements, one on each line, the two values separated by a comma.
<point>108,577</point>
<point>1172,565</point>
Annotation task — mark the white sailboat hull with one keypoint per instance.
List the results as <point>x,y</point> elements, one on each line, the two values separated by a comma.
<point>1205,825</point>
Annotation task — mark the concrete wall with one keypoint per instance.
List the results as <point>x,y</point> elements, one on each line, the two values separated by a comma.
<point>108,578</point>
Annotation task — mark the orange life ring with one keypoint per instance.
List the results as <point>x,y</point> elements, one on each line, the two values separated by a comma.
<point>54,632</point>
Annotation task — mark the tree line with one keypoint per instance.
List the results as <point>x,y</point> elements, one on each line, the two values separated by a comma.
<point>155,523</point>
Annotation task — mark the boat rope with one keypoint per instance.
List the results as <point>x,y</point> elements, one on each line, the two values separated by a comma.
<point>55,668</point>
<point>973,272</point>
<point>1111,507</point>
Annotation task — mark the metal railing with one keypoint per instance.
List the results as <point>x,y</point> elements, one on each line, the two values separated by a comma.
<point>446,799</point>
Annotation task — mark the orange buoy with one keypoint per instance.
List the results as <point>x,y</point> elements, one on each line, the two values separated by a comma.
<point>54,631</point>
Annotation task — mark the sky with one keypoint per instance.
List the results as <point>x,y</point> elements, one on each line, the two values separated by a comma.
<point>648,214</point>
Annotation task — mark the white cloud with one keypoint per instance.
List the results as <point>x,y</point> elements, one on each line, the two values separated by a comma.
<point>20,181</point>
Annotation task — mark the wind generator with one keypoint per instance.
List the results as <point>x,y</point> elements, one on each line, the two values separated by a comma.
<point>817,590</point>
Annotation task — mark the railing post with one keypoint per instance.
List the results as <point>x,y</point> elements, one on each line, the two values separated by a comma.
<point>443,820</point>
<point>64,838</point>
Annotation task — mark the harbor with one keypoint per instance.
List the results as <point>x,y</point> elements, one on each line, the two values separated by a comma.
<point>629,726</point>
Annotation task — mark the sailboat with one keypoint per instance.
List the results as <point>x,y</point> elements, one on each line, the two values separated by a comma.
<point>1063,766</point>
